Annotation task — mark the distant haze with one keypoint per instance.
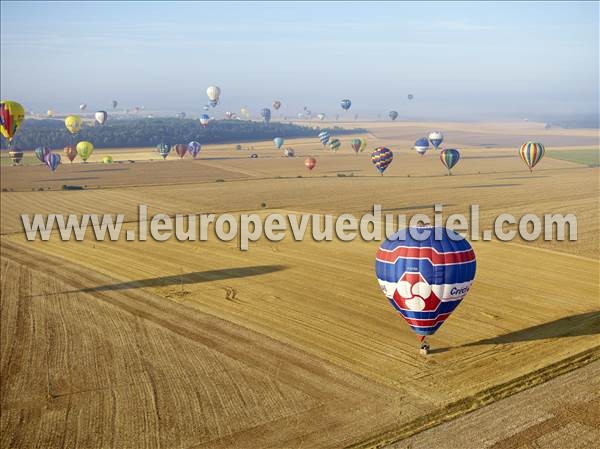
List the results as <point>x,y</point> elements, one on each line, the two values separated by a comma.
<point>462,61</point>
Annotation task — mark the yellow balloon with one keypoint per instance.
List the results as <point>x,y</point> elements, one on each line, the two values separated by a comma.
<point>12,115</point>
<point>73,123</point>
<point>50,113</point>
<point>84,150</point>
<point>107,159</point>
<point>363,144</point>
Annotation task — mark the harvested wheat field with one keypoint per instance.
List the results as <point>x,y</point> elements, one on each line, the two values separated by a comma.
<point>289,344</point>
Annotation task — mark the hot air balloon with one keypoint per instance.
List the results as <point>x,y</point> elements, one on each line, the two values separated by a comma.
<point>73,123</point>
<point>449,158</point>
<point>101,117</point>
<point>265,113</point>
<point>276,105</point>
<point>50,113</point>
<point>310,163</point>
<point>163,149</point>
<point>278,141</point>
<point>245,112</point>
<point>253,156</point>
<point>115,103</point>
<point>85,150</point>
<point>70,152</point>
<point>42,153</point>
<point>356,144</point>
<point>436,138</point>
<point>363,144</point>
<point>194,148</point>
<point>82,107</point>
<point>382,157</point>
<point>411,96</point>
<point>531,153</point>
<point>204,119</point>
<point>425,273</point>
<point>324,137</point>
<point>52,161</point>
<point>107,159</point>
<point>289,152</point>
<point>213,93</point>
<point>321,116</point>
<point>12,115</point>
<point>334,144</point>
<point>180,149</point>
<point>16,156</point>
<point>345,104</point>
<point>421,146</point>
<point>393,115</point>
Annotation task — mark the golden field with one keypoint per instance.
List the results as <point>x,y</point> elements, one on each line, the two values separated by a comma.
<point>289,344</point>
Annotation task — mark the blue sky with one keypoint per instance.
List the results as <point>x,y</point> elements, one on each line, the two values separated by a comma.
<point>461,60</point>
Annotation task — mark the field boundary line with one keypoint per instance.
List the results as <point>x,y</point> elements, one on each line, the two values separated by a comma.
<point>488,396</point>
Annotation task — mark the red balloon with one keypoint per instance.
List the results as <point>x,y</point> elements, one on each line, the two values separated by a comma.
<point>310,162</point>
<point>181,149</point>
<point>70,152</point>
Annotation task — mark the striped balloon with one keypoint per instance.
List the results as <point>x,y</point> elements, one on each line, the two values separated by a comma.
<point>449,158</point>
<point>425,273</point>
<point>356,144</point>
<point>382,158</point>
<point>194,148</point>
<point>180,149</point>
<point>163,149</point>
<point>324,137</point>
<point>421,146</point>
<point>363,144</point>
<point>335,144</point>
<point>532,153</point>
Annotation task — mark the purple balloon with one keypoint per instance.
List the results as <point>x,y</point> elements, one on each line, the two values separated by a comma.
<point>52,160</point>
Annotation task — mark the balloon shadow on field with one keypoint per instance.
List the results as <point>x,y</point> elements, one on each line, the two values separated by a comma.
<point>187,278</point>
<point>571,326</point>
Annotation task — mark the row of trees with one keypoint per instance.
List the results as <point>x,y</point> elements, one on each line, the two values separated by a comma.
<point>150,132</point>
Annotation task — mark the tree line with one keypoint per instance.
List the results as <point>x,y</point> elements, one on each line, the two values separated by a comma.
<point>152,131</point>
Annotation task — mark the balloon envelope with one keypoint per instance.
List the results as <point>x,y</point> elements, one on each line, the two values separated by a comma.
<point>324,137</point>
<point>393,115</point>
<point>449,158</point>
<point>278,141</point>
<point>310,162</point>
<point>356,144</point>
<point>276,104</point>
<point>204,119</point>
<point>101,117</point>
<point>265,113</point>
<point>73,123</point>
<point>181,150</point>
<point>213,93</point>
<point>41,153</point>
<point>425,277</point>
<point>107,159</point>
<point>334,144</point>
<point>85,150</point>
<point>52,160</point>
<point>12,115</point>
<point>194,148</point>
<point>345,104</point>
<point>163,149</point>
<point>382,158</point>
<point>531,153</point>
<point>70,152</point>
<point>436,138</point>
<point>421,146</point>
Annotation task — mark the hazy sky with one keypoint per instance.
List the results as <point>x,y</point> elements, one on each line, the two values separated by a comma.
<point>460,60</point>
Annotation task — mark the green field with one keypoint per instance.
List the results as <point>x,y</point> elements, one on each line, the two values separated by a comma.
<point>587,157</point>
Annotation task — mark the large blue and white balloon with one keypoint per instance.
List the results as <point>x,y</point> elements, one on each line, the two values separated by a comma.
<point>425,273</point>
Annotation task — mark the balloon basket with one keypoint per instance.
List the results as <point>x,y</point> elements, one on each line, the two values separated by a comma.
<point>424,349</point>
